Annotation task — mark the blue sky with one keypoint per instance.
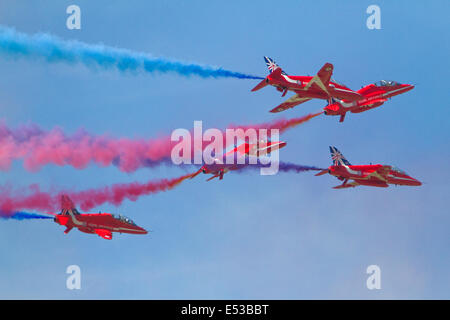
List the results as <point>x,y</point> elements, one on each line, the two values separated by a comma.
<point>288,236</point>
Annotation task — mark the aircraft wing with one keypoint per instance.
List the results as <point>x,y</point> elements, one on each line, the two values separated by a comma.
<point>321,172</point>
<point>290,103</point>
<point>261,85</point>
<point>321,81</point>
<point>215,176</point>
<point>105,234</point>
<point>347,185</point>
<point>380,174</point>
<point>322,78</point>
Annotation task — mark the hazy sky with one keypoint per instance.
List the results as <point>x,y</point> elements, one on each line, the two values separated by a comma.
<point>287,236</point>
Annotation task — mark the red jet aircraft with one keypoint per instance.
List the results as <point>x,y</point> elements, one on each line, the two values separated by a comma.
<point>305,87</point>
<point>375,175</point>
<point>252,149</point>
<point>374,96</point>
<point>102,224</point>
<point>219,168</point>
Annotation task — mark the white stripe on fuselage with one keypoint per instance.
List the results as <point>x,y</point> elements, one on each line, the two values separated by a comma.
<point>269,146</point>
<point>75,220</point>
<point>346,105</point>
<point>400,178</point>
<point>390,92</point>
<point>125,229</point>
<point>291,80</point>
<point>343,90</point>
<point>354,103</point>
<point>359,173</point>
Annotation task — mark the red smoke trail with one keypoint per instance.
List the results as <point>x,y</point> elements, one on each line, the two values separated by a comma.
<point>282,124</point>
<point>37,200</point>
<point>292,123</point>
<point>37,147</point>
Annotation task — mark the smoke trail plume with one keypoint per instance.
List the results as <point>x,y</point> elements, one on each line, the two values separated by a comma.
<point>282,167</point>
<point>33,198</point>
<point>19,215</point>
<point>292,167</point>
<point>38,147</point>
<point>54,49</point>
<point>282,124</point>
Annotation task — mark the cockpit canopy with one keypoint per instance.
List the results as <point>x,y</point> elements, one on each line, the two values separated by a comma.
<point>386,83</point>
<point>124,219</point>
<point>398,170</point>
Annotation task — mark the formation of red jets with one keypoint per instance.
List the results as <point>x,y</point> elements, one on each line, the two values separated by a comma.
<point>340,99</point>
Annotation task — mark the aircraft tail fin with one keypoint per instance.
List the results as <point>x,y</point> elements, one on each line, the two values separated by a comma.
<point>67,205</point>
<point>271,65</point>
<point>325,73</point>
<point>337,157</point>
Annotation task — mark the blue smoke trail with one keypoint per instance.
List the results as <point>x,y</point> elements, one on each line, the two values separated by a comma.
<point>282,166</point>
<point>54,49</point>
<point>292,167</point>
<point>285,167</point>
<point>19,215</point>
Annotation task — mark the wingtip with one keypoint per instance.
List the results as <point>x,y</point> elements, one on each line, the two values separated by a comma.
<point>276,110</point>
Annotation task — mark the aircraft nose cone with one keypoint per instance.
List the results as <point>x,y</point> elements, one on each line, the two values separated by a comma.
<point>415,182</point>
